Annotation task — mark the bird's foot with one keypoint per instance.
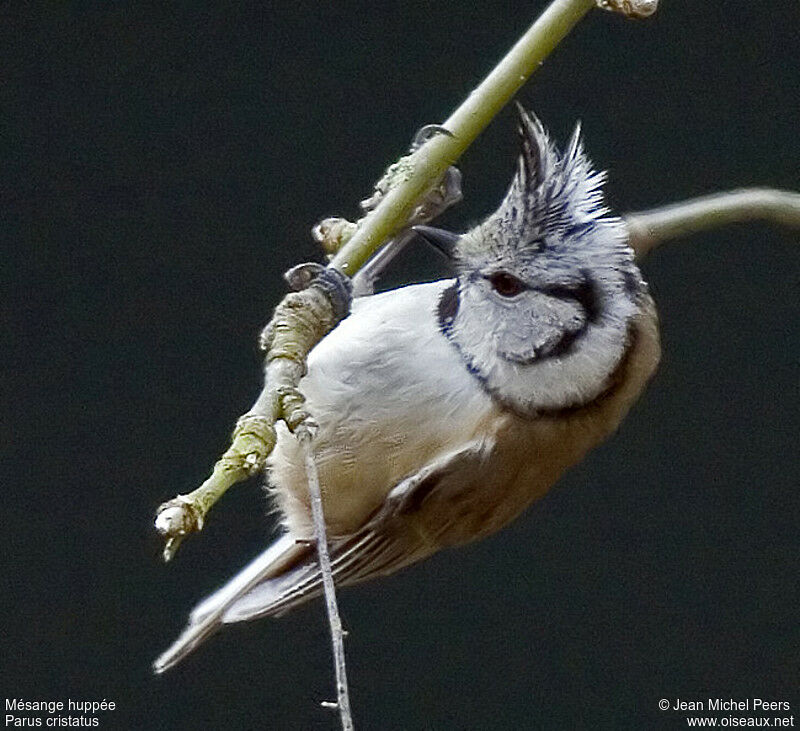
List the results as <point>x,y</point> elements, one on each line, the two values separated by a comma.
<point>333,233</point>
<point>444,193</point>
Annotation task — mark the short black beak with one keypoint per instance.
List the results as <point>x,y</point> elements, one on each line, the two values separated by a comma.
<point>444,241</point>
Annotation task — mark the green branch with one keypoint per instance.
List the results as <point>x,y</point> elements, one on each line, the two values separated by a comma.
<point>427,165</point>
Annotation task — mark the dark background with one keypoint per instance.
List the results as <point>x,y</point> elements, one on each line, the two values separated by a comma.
<point>162,164</point>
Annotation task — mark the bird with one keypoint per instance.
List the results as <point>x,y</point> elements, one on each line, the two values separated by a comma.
<point>446,408</point>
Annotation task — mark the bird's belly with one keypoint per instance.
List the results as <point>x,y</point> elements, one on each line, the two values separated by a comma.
<point>391,394</point>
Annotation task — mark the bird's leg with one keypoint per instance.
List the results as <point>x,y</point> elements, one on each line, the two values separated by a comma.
<point>364,281</point>
<point>440,195</point>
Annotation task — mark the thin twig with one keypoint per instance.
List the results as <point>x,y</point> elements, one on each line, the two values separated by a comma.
<point>337,633</point>
<point>647,229</point>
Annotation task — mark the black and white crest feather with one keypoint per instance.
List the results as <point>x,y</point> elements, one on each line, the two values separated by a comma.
<point>551,193</point>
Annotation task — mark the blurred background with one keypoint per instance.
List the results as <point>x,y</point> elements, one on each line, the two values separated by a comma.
<point>161,165</point>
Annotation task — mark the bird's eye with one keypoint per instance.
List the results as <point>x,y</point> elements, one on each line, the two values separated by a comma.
<point>505,284</point>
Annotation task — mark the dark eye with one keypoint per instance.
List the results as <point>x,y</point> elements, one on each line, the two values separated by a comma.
<point>505,284</point>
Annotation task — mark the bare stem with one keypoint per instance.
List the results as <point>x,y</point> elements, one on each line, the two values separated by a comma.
<point>337,633</point>
<point>648,229</point>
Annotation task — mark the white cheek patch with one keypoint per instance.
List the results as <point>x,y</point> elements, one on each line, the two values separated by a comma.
<point>550,382</point>
<point>550,331</point>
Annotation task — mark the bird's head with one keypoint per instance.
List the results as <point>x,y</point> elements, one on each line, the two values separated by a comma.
<point>546,285</point>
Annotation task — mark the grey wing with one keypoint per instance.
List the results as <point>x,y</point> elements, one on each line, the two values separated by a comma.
<point>420,515</point>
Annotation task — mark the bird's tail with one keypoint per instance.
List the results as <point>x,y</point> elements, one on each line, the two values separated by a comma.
<point>287,574</point>
<point>283,576</point>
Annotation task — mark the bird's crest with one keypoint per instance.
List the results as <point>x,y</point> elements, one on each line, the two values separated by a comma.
<point>551,193</point>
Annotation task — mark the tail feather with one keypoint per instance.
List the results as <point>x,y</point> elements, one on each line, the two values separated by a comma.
<point>304,582</point>
<point>272,569</point>
<point>276,596</point>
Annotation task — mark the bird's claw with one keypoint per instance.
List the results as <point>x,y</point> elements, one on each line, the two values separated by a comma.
<point>439,197</point>
<point>428,132</point>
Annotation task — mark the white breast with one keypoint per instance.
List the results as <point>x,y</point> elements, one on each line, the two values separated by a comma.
<point>390,394</point>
